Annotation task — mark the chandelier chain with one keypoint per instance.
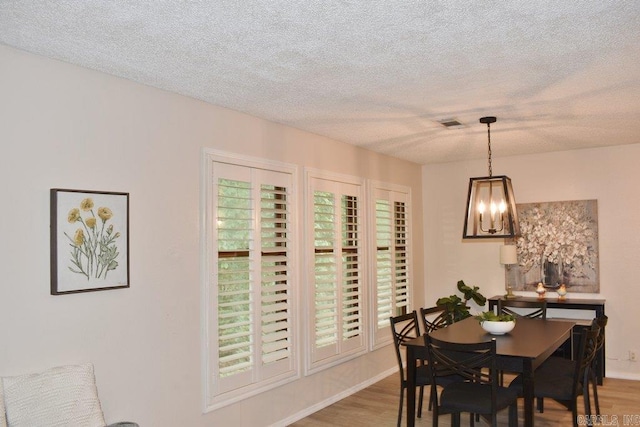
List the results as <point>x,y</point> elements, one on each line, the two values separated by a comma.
<point>489,144</point>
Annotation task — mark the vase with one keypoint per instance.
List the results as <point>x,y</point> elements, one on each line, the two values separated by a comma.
<point>551,274</point>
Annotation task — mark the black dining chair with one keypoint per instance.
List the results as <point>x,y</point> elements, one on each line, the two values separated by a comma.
<point>530,309</point>
<point>479,392</point>
<point>434,318</point>
<point>601,321</point>
<point>565,389</point>
<point>404,328</point>
<point>558,366</point>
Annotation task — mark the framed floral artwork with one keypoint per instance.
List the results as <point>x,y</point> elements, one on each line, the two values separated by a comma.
<point>89,241</point>
<point>558,245</point>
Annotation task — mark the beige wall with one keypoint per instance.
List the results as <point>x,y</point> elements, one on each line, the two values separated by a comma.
<point>609,175</point>
<point>69,127</point>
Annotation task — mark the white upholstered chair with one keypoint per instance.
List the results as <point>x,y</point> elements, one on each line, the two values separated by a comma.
<point>60,396</point>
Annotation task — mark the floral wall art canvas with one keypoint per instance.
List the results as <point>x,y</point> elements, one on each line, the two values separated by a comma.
<point>89,241</point>
<point>558,245</point>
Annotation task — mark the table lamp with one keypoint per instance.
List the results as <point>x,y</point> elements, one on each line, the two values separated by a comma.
<point>508,257</point>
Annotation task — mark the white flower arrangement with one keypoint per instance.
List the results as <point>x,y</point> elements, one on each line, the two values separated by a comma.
<point>560,233</point>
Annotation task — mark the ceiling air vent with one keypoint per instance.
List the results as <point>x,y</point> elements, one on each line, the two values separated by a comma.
<point>451,123</point>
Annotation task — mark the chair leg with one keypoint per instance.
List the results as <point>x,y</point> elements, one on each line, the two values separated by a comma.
<point>430,398</point>
<point>587,398</point>
<point>513,415</point>
<point>574,413</point>
<point>455,419</point>
<point>594,383</point>
<point>540,401</point>
<point>400,408</point>
<point>420,398</point>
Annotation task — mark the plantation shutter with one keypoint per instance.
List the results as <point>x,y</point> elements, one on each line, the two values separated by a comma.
<point>325,277</point>
<point>385,307</point>
<point>391,269</point>
<point>337,299</point>
<point>276,306</point>
<point>401,264</point>
<point>351,269</point>
<point>252,281</point>
<point>235,311</point>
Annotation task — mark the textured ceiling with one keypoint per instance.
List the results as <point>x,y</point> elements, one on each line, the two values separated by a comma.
<point>380,74</point>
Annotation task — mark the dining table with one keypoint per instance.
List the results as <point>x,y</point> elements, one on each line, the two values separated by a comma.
<point>521,350</point>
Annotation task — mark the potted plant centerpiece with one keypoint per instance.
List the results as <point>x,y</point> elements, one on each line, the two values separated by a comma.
<point>496,324</point>
<point>456,309</point>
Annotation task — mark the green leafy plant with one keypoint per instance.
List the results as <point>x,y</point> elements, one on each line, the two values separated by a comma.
<point>492,317</point>
<point>456,307</point>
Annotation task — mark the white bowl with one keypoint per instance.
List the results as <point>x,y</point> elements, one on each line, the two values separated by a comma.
<point>498,328</point>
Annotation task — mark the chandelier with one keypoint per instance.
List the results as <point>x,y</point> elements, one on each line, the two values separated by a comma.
<point>491,206</point>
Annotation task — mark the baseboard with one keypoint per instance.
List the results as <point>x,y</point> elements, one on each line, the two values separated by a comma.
<point>622,375</point>
<point>333,399</point>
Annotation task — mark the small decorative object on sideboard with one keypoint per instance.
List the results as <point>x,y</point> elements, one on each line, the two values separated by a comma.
<point>562,292</point>
<point>540,290</point>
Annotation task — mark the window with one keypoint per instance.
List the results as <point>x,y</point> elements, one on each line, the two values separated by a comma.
<point>250,278</point>
<point>336,284</point>
<point>391,273</point>
<point>250,269</point>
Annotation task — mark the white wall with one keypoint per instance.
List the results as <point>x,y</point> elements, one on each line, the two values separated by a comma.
<point>610,175</point>
<point>67,127</point>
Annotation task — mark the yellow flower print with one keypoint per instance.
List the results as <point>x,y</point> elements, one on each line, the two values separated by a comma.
<point>105,213</point>
<point>74,215</point>
<point>79,237</point>
<point>94,245</point>
<point>86,204</point>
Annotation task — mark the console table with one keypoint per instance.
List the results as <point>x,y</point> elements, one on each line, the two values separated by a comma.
<point>596,305</point>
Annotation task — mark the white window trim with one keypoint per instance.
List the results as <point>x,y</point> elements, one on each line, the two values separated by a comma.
<point>210,401</point>
<point>382,337</point>
<point>313,366</point>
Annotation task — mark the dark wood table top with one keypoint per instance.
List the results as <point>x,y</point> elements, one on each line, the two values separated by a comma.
<point>530,338</point>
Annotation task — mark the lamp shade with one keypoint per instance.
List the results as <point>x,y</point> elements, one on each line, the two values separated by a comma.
<point>491,209</point>
<point>508,255</point>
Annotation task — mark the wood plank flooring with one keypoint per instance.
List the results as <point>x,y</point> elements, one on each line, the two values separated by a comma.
<point>377,406</point>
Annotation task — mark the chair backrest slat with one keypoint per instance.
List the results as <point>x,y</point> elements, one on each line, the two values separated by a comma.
<point>533,309</point>
<point>601,321</point>
<point>403,328</point>
<point>434,318</point>
<point>586,354</point>
<point>473,362</point>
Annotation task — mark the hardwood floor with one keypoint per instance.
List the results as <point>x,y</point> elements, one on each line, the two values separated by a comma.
<point>377,406</point>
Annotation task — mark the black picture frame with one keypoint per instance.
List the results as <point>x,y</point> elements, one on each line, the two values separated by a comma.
<point>89,241</point>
